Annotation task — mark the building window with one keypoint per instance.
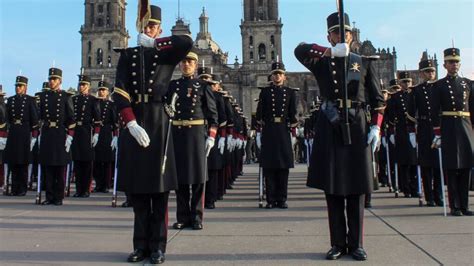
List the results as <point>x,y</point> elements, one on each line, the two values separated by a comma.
<point>109,45</point>
<point>89,61</point>
<point>92,14</point>
<point>109,61</point>
<point>100,9</point>
<point>100,55</point>
<point>89,47</point>
<point>107,21</point>
<point>262,52</point>
<point>272,40</point>
<point>251,55</point>
<point>251,41</point>
<point>108,8</point>
<point>100,22</point>
<point>273,55</point>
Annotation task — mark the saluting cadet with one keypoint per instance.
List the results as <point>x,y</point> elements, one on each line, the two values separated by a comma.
<point>343,171</point>
<point>107,143</point>
<point>142,144</point>
<point>453,116</point>
<point>402,114</point>
<point>215,160</point>
<point>86,135</point>
<point>276,113</point>
<point>427,156</point>
<point>56,136</point>
<point>22,135</point>
<point>195,108</point>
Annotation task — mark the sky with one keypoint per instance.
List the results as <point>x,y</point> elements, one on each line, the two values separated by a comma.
<point>34,33</point>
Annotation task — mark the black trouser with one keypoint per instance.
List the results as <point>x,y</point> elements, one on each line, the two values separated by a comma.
<point>83,176</point>
<point>102,175</point>
<point>276,184</point>
<point>221,182</point>
<point>53,181</point>
<point>190,204</point>
<point>211,187</point>
<point>352,235</point>
<point>431,184</point>
<point>458,188</point>
<point>407,179</point>
<point>150,227</point>
<point>19,178</point>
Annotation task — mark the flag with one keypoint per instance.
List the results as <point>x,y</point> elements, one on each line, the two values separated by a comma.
<point>144,14</point>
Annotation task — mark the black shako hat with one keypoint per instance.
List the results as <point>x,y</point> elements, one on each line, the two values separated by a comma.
<point>333,22</point>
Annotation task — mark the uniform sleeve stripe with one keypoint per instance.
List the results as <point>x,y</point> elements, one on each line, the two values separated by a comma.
<point>122,93</point>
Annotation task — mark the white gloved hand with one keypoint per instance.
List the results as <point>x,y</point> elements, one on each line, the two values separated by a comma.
<point>32,143</point>
<point>138,133</point>
<point>39,141</point>
<point>229,142</point>
<point>311,142</point>
<point>374,137</point>
<point>209,144</point>
<point>436,142</point>
<point>3,143</point>
<point>245,144</point>
<point>293,141</point>
<point>240,143</point>
<point>95,139</point>
<point>145,41</point>
<point>258,140</point>
<point>68,143</point>
<point>412,136</point>
<point>392,139</point>
<point>221,145</point>
<point>384,142</point>
<point>340,50</point>
<point>114,143</point>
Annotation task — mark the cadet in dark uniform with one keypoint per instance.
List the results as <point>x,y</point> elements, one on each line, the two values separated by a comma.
<point>86,136</point>
<point>57,131</point>
<point>3,133</point>
<point>22,135</point>
<point>35,151</point>
<point>276,113</point>
<point>224,174</point>
<point>195,107</point>
<point>453,114</point>
<point>390,121</point>
<point>107,143</point>
<point>142,143</point>
<point>402,114</point>
<point>427,156</point>
<point>344,172</point>
<point>215,160</point>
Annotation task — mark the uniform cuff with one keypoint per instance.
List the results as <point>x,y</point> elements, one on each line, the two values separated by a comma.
<point>34,133</point>
<point>437,131</point>
<point>70,132</point>
<point>377,119</point>
<point>230,130</point>
<point>96,130</point>
<point>212,132</point>
<point>127,114</point>
<point>317,51</point>
<point>3,134</point>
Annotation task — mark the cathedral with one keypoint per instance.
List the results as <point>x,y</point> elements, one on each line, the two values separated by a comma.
<point>261,31</point>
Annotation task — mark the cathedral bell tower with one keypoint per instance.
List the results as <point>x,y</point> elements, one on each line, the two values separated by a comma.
<point>103,29</point>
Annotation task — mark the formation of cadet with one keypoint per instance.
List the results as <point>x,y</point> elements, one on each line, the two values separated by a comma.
<point>190,135</point>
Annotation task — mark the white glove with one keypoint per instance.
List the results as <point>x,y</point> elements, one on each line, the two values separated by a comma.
<point>311,142</point>
<point>240,143</point>
<point>3,143</point>
<point>384,142</point>
<point>436,141</point>
<point>114,143</point>
<point>374,137</point>
<point>68,143</point>
<point>145,41</point>
<point>412,136</point>
<point>209,144</point>
<point>392,139</point>
<point>340,50</point>
<point>95,139</point>
<point>245,144</point>
<point>32,143</point>
<point>221,145</point>
<point>39,141</point>
<point>258,139</point>
<point>293,141</point>
<point>229,142</point>
<point>138,133</point>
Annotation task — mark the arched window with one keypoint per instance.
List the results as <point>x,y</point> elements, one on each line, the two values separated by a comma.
<point>100,55</point>
<point>109,61</point>
<point>89,47</point>
<point>272,40</point>
<point>109,45</point>
<point>262,52</point>
<point>251,41</point>
<point>100,22</point>
<point>100,9</point>
<point>273,55</point>
<point>251,55</point>
<point>89,61</point>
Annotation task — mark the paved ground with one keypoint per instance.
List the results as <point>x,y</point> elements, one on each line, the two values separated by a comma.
<point>90,232</point>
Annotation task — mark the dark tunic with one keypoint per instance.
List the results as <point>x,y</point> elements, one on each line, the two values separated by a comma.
<point>427,156</point>
<point>22,119</point>
<point>195,102</point>
<point>454,94</point>
<point>334,167</point>
<point>215,160</point>
<point>401,107</point>
<point>86,113</point>
<point>276,112</point>
<point>108,129</point>
<point>57,115</point>
<point>3,122</point>
<point>139,168</point>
